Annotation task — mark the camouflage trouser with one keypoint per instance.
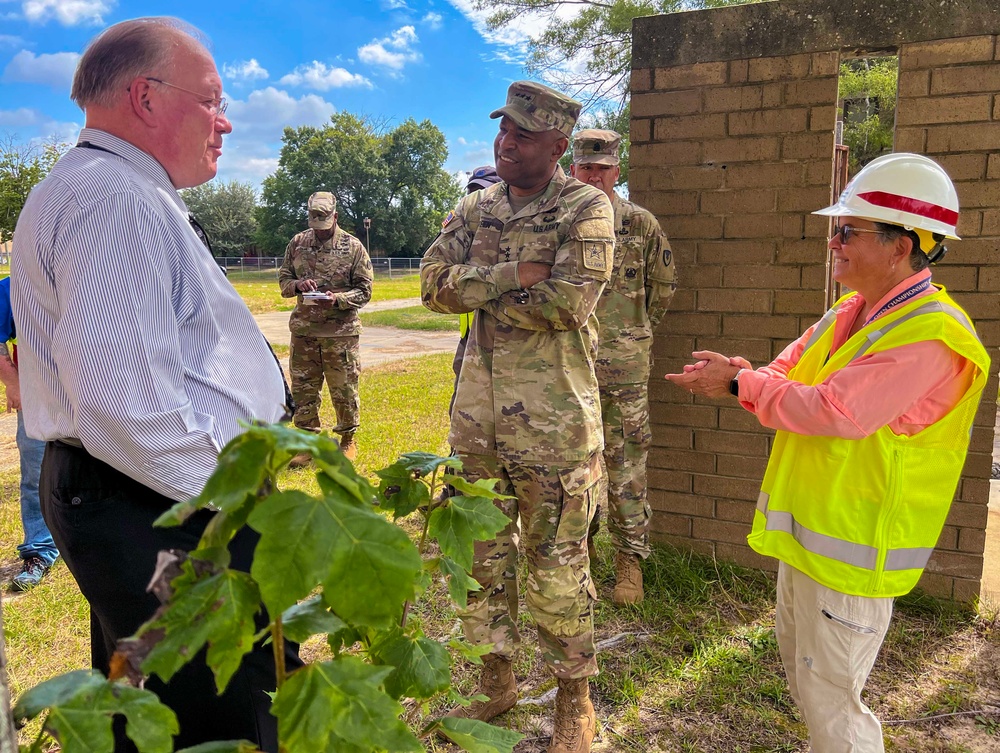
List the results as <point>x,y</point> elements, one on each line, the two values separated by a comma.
<point>338,360</point>
<point>555,504</point>
<point>627,437</point>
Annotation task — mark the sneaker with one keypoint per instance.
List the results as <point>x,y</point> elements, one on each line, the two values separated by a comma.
<point>32,572</point>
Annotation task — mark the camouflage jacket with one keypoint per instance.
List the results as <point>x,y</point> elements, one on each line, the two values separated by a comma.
<point>527,391</point>
<point>642,283</point>
<point>340,265</point>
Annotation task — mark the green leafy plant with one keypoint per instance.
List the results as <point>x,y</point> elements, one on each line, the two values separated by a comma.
<point>333,564</point>
<point>869,85</point>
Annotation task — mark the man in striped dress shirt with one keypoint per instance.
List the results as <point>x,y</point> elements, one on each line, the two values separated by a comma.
<point>141,358</point>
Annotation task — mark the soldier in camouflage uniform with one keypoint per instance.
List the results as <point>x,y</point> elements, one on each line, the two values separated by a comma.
<point>530,256</point>
<point>330,273</point>
<point>642,284</point>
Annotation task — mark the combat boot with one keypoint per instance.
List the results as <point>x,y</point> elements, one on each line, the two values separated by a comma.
<point>628,579</point>
<point>575,721</point>
<point>349,447</point>
<point>496,683</point>
<point>300,461</point>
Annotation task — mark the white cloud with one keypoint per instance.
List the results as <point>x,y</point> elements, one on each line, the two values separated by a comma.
<point>34,121</point>
<point>265,113</point>
<point>9,41</point>
<point>68,12</point>
<point>394,51</point>
<point>514,35</point>
<point>55,70</point>
<point>395,5</point>
<point>433,20</point>
<point>250,153</point>
<point>245,70</point>
<point>20,117</point>
<point>476,153</point>
<point>246,169</point>
<point>317,75</point>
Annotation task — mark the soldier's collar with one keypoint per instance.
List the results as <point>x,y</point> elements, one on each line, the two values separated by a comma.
<point>317,243</point>
<point>548,201</point>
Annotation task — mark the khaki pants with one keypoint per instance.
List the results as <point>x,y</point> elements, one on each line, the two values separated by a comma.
<point>828,643</point>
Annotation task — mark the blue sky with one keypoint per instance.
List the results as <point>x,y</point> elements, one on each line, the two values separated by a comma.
<point>287,63</point>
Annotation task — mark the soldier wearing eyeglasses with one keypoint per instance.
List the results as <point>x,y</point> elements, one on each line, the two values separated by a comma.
<point>138,360</point>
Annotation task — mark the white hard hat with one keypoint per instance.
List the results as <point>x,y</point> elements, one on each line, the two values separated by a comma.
<point>901,189</point>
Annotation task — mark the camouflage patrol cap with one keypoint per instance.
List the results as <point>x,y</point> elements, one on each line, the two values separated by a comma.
<point>537,108</point>
<point>322,208</point>
<point>596,146</point>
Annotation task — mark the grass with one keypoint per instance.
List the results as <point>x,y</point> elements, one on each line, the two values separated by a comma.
<point>411,317</point>
<point>262,295</point>
<point>695,668</point>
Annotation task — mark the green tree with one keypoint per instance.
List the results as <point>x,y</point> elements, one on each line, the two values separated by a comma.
<point>227,212</point>
<point>589,55</point>
<point>394,177</point>
<point>868,93</point>
<point>22,165</point>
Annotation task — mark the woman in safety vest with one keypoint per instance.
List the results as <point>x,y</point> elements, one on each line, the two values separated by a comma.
<point>873,407</point>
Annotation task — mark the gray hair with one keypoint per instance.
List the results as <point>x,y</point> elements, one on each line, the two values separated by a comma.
<point>124,51</point>
<point>918,259</point>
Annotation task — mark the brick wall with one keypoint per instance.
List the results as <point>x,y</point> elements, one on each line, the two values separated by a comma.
<point>733,115</point>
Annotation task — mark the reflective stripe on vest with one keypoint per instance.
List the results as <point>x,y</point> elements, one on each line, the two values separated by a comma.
<point>931,307</point>
<point>824,324</point>
<point>848,552</point>
<point>862,516</point>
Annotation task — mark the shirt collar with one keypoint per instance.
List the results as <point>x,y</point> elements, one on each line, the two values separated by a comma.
<point>140,160</point>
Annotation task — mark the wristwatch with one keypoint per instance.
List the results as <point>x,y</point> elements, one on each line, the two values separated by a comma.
<point>734,384</point>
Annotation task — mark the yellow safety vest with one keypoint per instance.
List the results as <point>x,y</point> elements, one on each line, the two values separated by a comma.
<point>862,516</point>
<point>465,323</point>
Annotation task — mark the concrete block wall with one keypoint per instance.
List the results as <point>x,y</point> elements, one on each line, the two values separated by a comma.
<point>733,116</point>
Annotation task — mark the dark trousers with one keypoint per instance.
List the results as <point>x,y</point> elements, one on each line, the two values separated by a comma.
<point>102,522</point>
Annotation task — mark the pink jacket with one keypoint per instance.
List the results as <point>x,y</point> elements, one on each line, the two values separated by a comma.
<point>907,388</point>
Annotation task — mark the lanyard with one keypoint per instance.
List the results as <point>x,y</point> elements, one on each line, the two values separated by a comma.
<point>906,295</point>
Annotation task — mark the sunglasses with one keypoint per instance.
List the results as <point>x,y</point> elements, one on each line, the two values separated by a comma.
<point>844,232</point>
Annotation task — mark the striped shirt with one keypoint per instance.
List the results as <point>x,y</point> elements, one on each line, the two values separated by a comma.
<point>132,341</point>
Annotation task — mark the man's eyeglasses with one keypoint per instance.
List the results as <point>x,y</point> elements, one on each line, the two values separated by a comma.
<point>217,105</point>
<point>844,232</point>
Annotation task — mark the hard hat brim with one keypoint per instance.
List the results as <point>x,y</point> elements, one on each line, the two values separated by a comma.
<point>889,216</point>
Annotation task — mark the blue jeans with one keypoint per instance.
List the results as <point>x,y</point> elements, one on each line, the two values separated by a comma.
<point>37,539</point>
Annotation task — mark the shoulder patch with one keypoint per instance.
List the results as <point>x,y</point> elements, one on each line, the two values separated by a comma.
<point>595,254</point>
<point>451,216</point>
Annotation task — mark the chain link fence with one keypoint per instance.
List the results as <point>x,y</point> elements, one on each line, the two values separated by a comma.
<point>266,267</point>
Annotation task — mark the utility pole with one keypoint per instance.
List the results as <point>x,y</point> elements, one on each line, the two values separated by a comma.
<point>368,234</point>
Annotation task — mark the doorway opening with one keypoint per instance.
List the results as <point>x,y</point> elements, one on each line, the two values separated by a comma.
<point>866,122</point>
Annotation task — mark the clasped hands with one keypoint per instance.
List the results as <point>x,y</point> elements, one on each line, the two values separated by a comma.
<point>710,375</point>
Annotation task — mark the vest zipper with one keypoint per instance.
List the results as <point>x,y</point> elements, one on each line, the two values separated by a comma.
<point>892,505</point>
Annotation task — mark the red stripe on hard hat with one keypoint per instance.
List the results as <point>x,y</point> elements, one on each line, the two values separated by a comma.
<point>913,206</point>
